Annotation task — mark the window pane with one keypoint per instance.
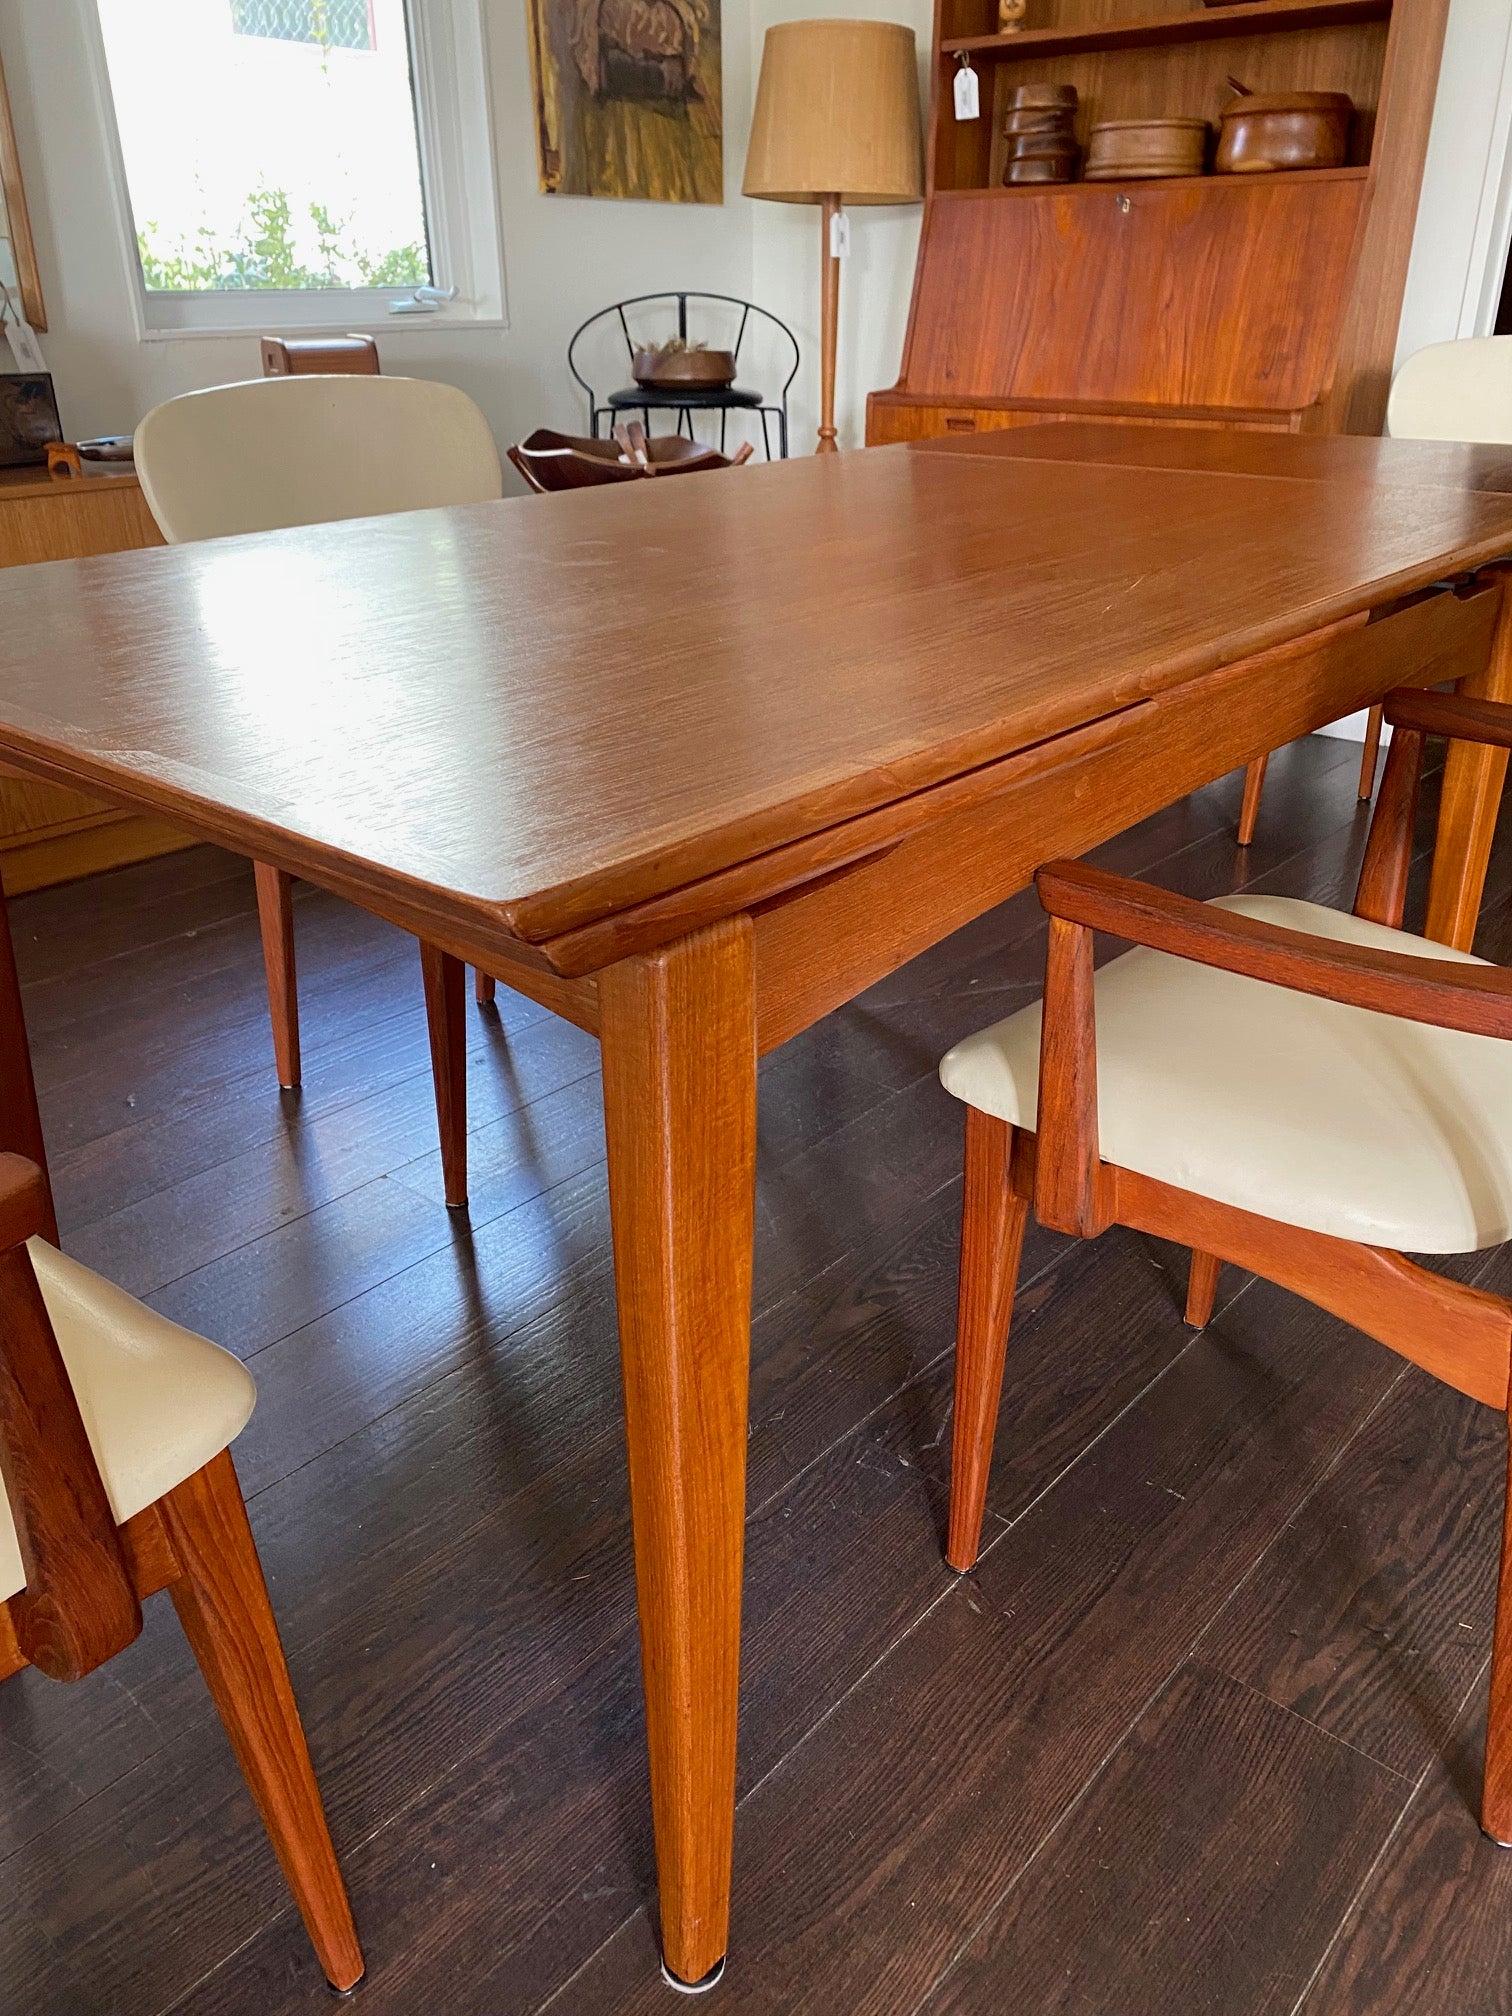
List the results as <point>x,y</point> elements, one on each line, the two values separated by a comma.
<point>268,143</point>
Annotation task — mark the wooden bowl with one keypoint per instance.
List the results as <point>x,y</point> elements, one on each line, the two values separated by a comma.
<point>1024,96</point>
<point>1268,132</point>
<point>1039,168</point>
<point>690,369</point>
<point>1040,119</point>
<point>1140,150</point>
<point>1035,147</point>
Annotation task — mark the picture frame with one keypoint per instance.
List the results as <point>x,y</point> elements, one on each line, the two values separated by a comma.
<point>18,252</point>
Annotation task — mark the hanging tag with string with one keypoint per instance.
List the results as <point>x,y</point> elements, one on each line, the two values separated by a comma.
<point>968,102</point>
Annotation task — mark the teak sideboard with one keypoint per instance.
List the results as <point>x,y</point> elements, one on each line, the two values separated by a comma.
<point>1256,301</point>
<point>49,833</point>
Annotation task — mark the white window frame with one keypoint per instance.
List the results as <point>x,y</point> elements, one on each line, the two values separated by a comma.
<point>454,120</point>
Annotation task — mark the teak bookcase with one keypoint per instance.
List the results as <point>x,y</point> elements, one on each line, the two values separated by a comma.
<point>1266,301</point>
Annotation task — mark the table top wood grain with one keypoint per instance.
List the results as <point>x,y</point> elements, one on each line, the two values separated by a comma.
<point>532,714</point>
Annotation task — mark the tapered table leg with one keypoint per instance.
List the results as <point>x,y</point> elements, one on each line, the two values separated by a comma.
<point>1471,799</point>
<point>275,917</point>
<point>679,1055</point>
<point>20,1122</point>
<point>445,1016</point>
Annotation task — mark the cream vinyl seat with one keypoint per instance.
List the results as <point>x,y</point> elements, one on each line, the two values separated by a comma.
<point>157,1401</point>
<point>1330,1117</point>
<point>1459,391</point>
<point>304,451</point>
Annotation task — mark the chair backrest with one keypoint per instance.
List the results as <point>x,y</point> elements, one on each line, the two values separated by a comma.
<point>306,450</point>
<point>307,356</point>
<point>1454,392</point>
<point>722,320</point>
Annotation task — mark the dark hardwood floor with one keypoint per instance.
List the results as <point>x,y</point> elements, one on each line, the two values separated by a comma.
<point>1201,1732</point>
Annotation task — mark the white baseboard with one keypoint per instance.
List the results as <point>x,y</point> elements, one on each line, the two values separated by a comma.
<point>1352,729</point>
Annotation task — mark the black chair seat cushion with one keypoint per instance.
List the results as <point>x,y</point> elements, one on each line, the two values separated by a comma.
<point>713,396</point>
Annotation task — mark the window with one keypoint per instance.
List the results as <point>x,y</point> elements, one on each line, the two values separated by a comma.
<point>290,164</point>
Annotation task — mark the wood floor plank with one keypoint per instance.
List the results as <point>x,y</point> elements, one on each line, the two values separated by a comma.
<point>1372,1614</point>
<point>1206,1869</point>
<point>1430,1933</point>
<point>945,1769</point>
<point>840,1562</point>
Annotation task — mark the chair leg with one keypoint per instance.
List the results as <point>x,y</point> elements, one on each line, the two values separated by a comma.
<point>1202,1288</point>
<point>444,977</point>
<point>1374,722</point>
<point>1496,1787</point>
<point>275,916</point>
<point>222,1602</point>
<point>992,1240</point>
<point>1249,811</point>
<point>484,986</point>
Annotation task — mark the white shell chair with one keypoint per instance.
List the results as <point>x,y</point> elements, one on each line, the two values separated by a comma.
<point>276,452</point>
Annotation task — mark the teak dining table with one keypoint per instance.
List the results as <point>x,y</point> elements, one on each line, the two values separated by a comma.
<point>695,765</point>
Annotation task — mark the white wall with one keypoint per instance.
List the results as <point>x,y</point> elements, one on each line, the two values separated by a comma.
<point>564,256</point>
<point>1459,247</point>
<point>875,281</point>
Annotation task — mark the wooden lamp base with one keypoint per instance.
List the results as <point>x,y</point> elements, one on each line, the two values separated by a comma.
<point>829,327</point>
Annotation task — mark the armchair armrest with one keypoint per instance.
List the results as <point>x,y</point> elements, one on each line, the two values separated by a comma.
<point>23,1201</point>
<point>1477,999</point>
<point>1452,714</point>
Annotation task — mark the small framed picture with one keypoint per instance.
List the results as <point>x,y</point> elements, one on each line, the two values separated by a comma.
<point>28,418</point>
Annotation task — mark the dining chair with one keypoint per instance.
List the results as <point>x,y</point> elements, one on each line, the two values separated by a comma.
<point>304,450</point>
<point>1307,1094</point>
<point>1459,391</point>
<point>115,1433</point>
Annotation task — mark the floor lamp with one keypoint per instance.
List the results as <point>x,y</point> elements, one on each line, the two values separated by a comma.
<point>836,122</point>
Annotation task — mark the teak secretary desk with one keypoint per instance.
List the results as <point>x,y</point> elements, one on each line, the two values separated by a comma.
<point>1265,301</point>
<point>697,837</point>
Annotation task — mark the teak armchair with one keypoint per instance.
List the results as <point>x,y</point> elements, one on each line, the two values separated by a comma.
<point>1303,1093</point>
<point>115,1428</point>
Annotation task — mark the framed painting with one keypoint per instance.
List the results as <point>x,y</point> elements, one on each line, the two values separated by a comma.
<point>18,257</point>
<point>627,98</point>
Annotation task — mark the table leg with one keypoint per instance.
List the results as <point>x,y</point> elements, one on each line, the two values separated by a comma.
<point>446,1021</point>
<point>1471,799</point>
<point>678,1031</point>
<point>20,1122</point>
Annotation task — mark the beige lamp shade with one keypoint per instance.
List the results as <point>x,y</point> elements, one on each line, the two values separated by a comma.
<point>837,114</point>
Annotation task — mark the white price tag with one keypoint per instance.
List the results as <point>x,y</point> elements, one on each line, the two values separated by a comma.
<point>968,102</point>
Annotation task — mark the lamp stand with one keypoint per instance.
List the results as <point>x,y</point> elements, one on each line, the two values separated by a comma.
<point>829,329</point>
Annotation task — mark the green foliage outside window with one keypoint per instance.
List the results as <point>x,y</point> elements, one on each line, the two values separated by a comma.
<point>262,254</point>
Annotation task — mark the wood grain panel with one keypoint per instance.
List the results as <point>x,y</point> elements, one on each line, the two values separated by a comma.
<point>1107,275</point>
<point>49,833</point>
<point>814,954</point>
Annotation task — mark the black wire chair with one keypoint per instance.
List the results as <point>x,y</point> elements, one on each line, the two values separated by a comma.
<point>686,401</point>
